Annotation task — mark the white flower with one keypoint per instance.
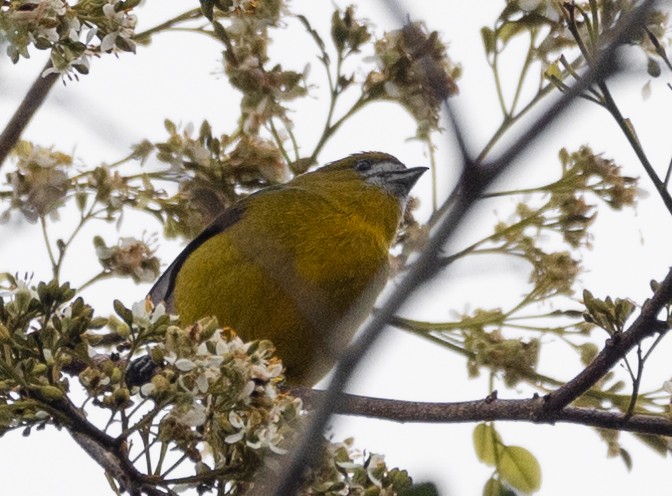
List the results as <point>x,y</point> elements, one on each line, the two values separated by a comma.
<point>41,414</point>
<point>108,10</point>
<point>195,416</point>
<point>266,371</point>
<point>215,362</point>
<point>184,364</point>
<point>268,437</point>
<point>147,389</point>
<point>547,8</point>
<point>125,24</point>
<point>375,462</point>
<point>22,287</point>
<point>48,355</point>
<point>170,357</point>
<point>109,41</point>
<point>202,383</point>
<point>90,34</point>
<point>236,421</point>
<point>143,313</point>
<point>234,438</point>
<point>247,390</point>
<point>57,6</point>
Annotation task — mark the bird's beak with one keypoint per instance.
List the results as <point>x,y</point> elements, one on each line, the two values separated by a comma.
<point>406,178</point>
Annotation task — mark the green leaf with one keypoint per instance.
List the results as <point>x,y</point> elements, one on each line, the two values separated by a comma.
<point>486,440</point>
<point>653,68</point>
<point>520,468</point>
<point>553,72</point>
<point>315,35</point>
<point>170,126</point>
<point>588,352</point>
<point>492,488</point>
<point>489,41</point>
<point>51,393</point>
<point>495,488</point>
<point>509,30</point>
<point>123,312</point>
<point>627,459</point>
<point>656,443</point>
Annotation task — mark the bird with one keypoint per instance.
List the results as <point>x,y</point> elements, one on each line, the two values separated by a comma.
<point>299,264</point>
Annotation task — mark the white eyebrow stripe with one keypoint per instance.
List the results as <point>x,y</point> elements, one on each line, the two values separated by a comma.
<point>384,166</point>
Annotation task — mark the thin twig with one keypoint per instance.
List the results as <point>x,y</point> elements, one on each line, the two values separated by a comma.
<point>612,108</point>
<point>636,382</point>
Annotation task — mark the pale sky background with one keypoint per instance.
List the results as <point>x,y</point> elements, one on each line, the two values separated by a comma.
<point>178,77</point>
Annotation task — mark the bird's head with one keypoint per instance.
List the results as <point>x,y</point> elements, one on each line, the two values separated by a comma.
<point>370,186</point>
<point>377,169</point>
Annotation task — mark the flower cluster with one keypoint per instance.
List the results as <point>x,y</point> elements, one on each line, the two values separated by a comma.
<point>348,32</point>
<point>414,70</point>
<point>610,315</point>
<point>583,23</point>
<point>72,33</point>
<point>344,470</point>
<point>516,358</point>
<point>246,60</point>
<point>653,38</point>
<point>40,183</point>
<point>129,258</point>
<point>553,273</point>
<point>217,400</point>
<point>224,396</point>
<point>212,172</point>
<point>42,334</point>
<point>585,170</point>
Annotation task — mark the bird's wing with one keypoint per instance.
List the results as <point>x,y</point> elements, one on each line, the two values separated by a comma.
<point>162,291</point>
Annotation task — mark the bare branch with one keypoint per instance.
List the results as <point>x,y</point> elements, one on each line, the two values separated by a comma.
<point>616,348</point>
<point>110,453</point>
<point>526,410</point>
<point>31,102</point>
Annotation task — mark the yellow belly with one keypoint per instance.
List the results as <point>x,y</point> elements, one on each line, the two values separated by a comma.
<point>309,310</point>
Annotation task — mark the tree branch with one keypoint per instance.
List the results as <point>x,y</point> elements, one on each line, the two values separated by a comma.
<point>35,97</point>
<point>548,409</point>
<point>475,179</point>
<point>108,452</point>
<point>616,347</point>
<point>489,409</point>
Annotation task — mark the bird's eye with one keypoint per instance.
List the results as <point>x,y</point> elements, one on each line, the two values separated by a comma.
<point>363,165</point>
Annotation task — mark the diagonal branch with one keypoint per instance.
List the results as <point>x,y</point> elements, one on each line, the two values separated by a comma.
<point>110,453</point>
<point>33,100</point>
<point>475,179</point>
<point>616,347</point>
